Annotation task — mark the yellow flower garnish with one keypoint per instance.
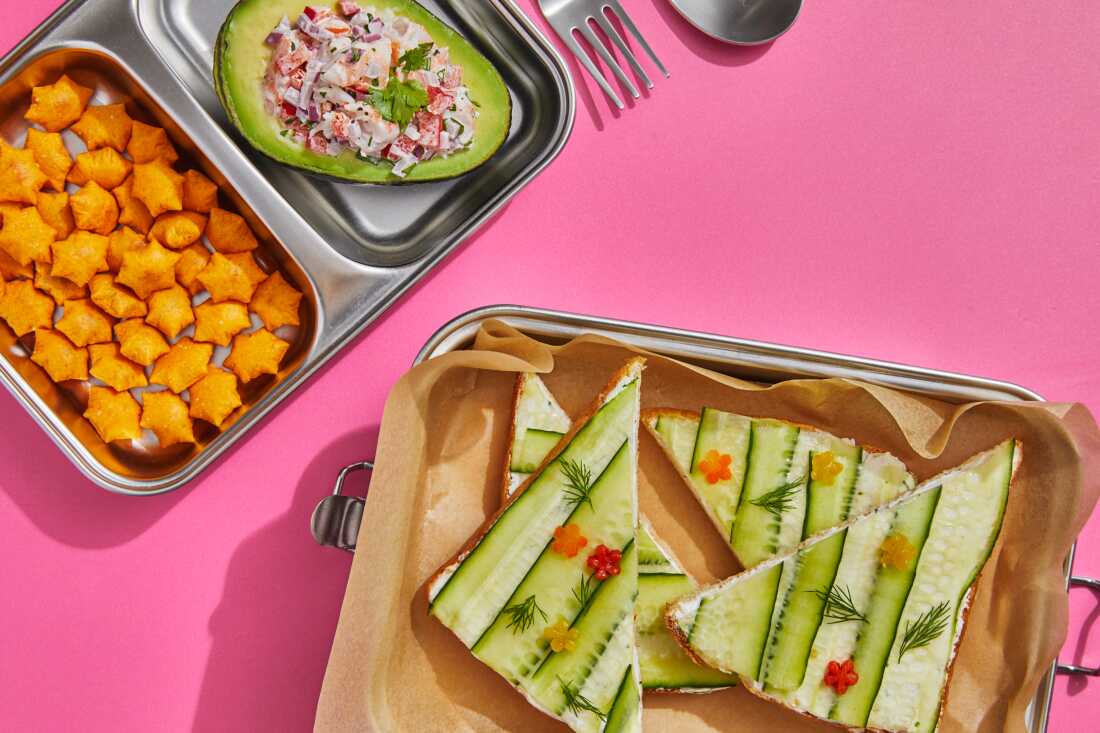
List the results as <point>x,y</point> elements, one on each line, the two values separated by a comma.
<point>825,467</point>
<point>561,637</point>
<point>897,552</point>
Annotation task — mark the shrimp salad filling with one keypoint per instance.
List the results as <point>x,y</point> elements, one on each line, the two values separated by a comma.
<point>368,81</point>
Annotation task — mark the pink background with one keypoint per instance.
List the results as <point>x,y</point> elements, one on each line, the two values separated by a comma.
<point>912,181</point>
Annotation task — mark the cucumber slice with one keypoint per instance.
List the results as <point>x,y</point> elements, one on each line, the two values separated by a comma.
<point>756,532</point>
<point>536,445</point>
<point>534,409</point>
<point>626,714</point>
<point>652,558</point>
<point>727,435</point>
<point>676,431</point>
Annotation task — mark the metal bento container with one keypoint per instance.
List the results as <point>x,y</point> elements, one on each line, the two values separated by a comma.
<point>352,249</point>
<point>335,521</point>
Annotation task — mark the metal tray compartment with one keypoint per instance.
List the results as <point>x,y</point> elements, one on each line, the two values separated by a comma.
<point>389,225</point>
<point>133,50</point>
<point>336,520</point>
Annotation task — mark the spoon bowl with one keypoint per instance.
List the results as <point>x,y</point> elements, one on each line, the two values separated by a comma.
<point>741,22</point>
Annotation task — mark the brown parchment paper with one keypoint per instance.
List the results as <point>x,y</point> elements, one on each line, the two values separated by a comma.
<point>437,477</point>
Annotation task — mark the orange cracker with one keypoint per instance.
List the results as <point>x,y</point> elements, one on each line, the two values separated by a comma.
<point>105,166</point>
<point>105,125</point>
<point>122,240</point>
<point>51,155</point>
<point>226,280</point>
<point>256,353</point>
<point>215,396</point>
<point>79,256</point>
<point>117,372</point>
<point>199,192</point>
<point>158,187</point>
<point>178,229</point>
<point>57,355</point>
<point>116,300</point>
<point>139,342</point>
<point>166,415</point>
<point>114,415</point>
<point>191,262</point>
<point>55,211</point>
<point>170,311</point>
<point>149,269</point>
<point>26,237</point>
<point>131,212</point>
<point>58,105</point>
<point>20,176</point>
<point>218,323</point>
<point>10,269</point>
<point>24,308</point>
<point>276,302</point>
<point>58,288</point>
<point>94,209</point>
<point>183,365</point>
<point>83,323</point>
<point>148,143</point>
<point>229,233</point>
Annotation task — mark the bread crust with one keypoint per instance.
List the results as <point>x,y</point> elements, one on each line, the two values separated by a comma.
<point>517,392</point>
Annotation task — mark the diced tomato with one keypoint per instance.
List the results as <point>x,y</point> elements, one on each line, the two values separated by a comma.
<point>439,101</point>
<point>289,109</point>
<point>385,152</point>
<point>311,13</point>
<point>429,125</point>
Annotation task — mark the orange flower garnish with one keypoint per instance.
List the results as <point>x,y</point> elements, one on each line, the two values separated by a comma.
<point>825,467</point>
<point>568,540</point>
<point>716,466</point>
<point>897,552</point>
<point>561,637</point>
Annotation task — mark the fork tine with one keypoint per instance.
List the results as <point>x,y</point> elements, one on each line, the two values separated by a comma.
<point>586,62</point>
<point>629,25</point>
<point>617,39</point>
<point>603,53</point>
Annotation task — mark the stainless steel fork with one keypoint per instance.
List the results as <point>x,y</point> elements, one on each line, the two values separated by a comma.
<point>570,17</point>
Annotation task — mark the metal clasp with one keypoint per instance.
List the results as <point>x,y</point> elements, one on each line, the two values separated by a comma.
<point>336,520</point>
<point>1078,581</point>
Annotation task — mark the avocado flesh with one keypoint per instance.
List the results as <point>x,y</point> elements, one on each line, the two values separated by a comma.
<point>240,62</point>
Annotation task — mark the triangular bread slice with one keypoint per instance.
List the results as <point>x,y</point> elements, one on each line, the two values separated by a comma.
<point>523,598</point>
<point>752,476</point>
<point>538,424</point>
<point>881,602</point>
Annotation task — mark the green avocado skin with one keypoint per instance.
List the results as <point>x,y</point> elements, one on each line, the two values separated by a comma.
<point>241,58</point>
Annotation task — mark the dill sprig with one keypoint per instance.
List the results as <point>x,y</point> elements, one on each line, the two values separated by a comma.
<point>926,629</point>
<point>578,703</point>
<point>779,499</point>
<point>839,606</point>
<point>579,479</point>
<point>584,589</point>
<point>523,614</point>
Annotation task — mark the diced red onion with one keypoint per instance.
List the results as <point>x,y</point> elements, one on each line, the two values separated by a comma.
<point>314,114</point>
<point>273,38</point>
<point>373,37</point>
<point>376,26</point>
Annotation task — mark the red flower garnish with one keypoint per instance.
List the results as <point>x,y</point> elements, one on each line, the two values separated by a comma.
<point>604,562</point>
<point>841,675</point>
<point>716,466</point>
<point>568,540</point>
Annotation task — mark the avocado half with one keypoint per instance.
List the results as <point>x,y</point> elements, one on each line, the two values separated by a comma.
<point>241,58</point>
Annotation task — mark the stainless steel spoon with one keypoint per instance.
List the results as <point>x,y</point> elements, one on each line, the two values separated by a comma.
<point>743,22</point>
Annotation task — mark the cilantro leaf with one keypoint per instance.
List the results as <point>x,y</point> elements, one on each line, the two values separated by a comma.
<point>399,101</point>
<point>416,58</point>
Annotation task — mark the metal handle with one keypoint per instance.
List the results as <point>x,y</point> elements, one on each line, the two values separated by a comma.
<point>1078,581</point>
<point>336,520</point>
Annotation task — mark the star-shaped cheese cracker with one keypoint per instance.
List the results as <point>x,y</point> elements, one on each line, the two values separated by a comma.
<point>58,105</point>
<point>83,323</point>
<point>170,311</point>
<point>131,212</point>
<point>148,143</point>
<point>94,209</point>
<point>79,256</point>
<point>139,342</point>
<point>55,211</point>
<point>276,302</point>
<point>166,415</point>
<point>215,396</point>
<point>183,365</point>
<point>26,237</point>
<point>57,355</point>
<point>149,269</point>
<point>51,155</point>
<point>122,240</point>
<point>11,270</point>
<point>178,229</point>
<point>24,308</point>
<point>256,353</point>
<point>199,192</point>
<point>226,279</point>
<point>20,176</point>
<point>105,125</point>
<point>58,288</point>
<point>158,187</point>
<point>114,415</point>
<point>192,261</point>
<point>116,300</point>
<point>105,166</point>
<point>229,233</point>
<point>218,323</point>
<point>111,368</point>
